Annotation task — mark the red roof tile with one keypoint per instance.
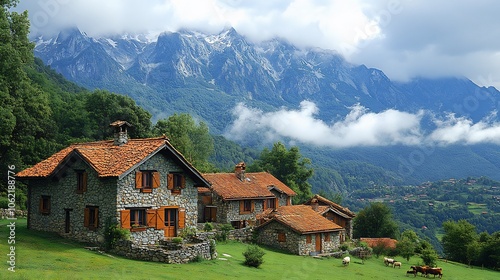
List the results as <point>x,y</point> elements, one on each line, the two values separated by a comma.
<point>300,218</point>
<point>254,185</point>
<point>325,202</point>
<point>387,242</point>
<point>107,159</point>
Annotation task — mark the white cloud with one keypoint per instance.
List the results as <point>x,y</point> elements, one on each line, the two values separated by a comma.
<point>358,128</point>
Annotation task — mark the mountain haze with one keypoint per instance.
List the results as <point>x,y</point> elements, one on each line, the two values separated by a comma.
<point>208,75</point>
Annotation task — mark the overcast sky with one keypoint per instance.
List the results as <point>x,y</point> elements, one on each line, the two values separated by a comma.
<point>403,38</point>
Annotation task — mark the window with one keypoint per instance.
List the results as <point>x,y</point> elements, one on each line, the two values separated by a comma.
<point>81,181</point>
<point>247,206</point>
<point>137,217</point>
<point>44,206</point>
<point>281,237</point>
<point>327,236</point>
<point>308,239</point>
<point>271,203</point>
<point>176,182</point>
<point>147,180</point>
<point>91,217</point>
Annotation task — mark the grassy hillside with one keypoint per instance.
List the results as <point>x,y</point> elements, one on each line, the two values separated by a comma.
<point>47,256</point>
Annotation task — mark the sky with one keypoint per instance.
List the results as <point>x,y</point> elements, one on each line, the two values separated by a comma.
<point>403,38</point>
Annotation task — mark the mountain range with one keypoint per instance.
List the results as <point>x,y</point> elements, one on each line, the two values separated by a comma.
<point>208,75</point>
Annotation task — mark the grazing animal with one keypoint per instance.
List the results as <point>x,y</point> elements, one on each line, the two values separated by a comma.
<point>414,272</point>
<point>421,269</point>
<point>346,261</point>
<point>394,264</point>
<point>388,261</point>
<point>434,271</point>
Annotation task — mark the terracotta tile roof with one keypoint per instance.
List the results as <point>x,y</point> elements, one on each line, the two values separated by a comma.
<point>107,159</point>
<point>372,242</point>
<point>203,190</point>
<point>254,185</point>
<point>325,202</point>
<point>301,218</point>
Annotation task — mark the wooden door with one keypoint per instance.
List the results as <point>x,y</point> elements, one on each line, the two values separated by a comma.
<point>170,222</point>
<point>318,242</point>
<point>210,214</point>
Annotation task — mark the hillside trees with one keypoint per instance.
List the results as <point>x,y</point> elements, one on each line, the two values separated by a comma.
<point>192,140</point>
<point>288,166</point>
<point>457,236</point>
<point>375,221</point>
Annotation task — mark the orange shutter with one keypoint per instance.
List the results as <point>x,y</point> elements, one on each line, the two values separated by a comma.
<point>86,217</point>
<point>253,206</point>
<point>125,219</point>
<point>138,180</point>
<point>156,179</point>
<point>170,181</point>
<point>183,181</point>
<point>277,202</point>
<point>308,239</point>
<point>264,204</point>
<point>160,218</point>
<point>288,201</point>
<point>182,217</point>
<point>84,187</point>
<point>242,207</point>
<point>151,217</point>
<point>96,217</point>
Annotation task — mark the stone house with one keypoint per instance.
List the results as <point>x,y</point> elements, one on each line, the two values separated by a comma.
<point>238,197</point>
<point>342,216</point>
<point>298,229</point>
<point>145,185</point>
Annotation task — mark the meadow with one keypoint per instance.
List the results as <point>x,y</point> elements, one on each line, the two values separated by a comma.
<point>42,255</point>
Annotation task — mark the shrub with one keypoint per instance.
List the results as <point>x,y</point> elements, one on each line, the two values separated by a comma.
<point>254,256</point>
<point>196,259</point>
<point>344,247</point>
<point>429,257</point>
<point>188,233</point>
<point>4,202</point>
<point>177,240</point>
<point>223,232</point>
<point>208,227</point>
<point>113,233</point>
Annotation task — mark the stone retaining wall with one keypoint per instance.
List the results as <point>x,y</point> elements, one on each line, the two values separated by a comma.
<point>159,253</point>
<point>7,213</point>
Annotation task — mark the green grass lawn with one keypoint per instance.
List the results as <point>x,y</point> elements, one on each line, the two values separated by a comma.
<point>46,256</point>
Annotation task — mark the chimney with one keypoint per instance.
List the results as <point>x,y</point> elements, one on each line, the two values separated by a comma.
<point>120,132</point>
<point>314,204</point>
<point>239,170</point>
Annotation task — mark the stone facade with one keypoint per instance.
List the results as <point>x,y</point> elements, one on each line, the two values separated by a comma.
<point>229,211</point>
<point>110,195</point>
<point>66,205</point>
<point>295,242</point>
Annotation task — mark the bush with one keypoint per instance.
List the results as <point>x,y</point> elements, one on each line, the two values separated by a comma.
<point>208,227</point>
<point>429,257</point>
<point>113,233</point>
<point>254,256</point>
<point>4,202</point>
<point>188,233</point>
<point>196,259</point>
<point>344,247</point>
<point>177,240</point>
<point>223,232</point>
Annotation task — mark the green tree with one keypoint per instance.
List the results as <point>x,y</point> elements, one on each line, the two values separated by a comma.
<point>405,248</point>
<point>457,236</point>
<point>289,167</point>
<point>192,140</point>
<point>490,250</point>
<point>429,257</point>
<point>375,221</point>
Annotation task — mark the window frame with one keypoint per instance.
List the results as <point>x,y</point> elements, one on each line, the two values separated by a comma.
<point>281,236</point>
<point>147,180</point>
<point>44,206</point>
<point>91,217</point>
<point>176,181</point>
<point>81,181</point>
<point>136,213</point>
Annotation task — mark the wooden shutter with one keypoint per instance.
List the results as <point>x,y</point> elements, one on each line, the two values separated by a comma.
<point>182,218</point>
<point>156,179</point>
<point>252,207</point>
<point>264,204</point>
<point>288,201</point>
<point>151,217</point>
<point>327,236</point>
<point>138,180</point>
<point>86,217</point>
<point>242,206</point>
<point>170,181</point>
<point>125,219</point>
<point>160,218</point>
<point>183,181</point>
<point>84,182</point>
<point>308,239</point>
<point>277,202</point>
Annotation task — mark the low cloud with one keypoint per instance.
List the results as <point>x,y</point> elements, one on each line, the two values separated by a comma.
<point>358,128</point>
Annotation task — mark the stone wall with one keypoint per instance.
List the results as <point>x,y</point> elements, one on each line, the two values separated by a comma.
<point>159,253</point>
<point>7,213</point>
<point>129,197</point>
<point>228,211</point>
<point>295,242</point>
<point>101,192</point>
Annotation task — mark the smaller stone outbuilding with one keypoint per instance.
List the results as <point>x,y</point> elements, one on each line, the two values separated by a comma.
<point>334,212</point>
<point>298,229</point>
